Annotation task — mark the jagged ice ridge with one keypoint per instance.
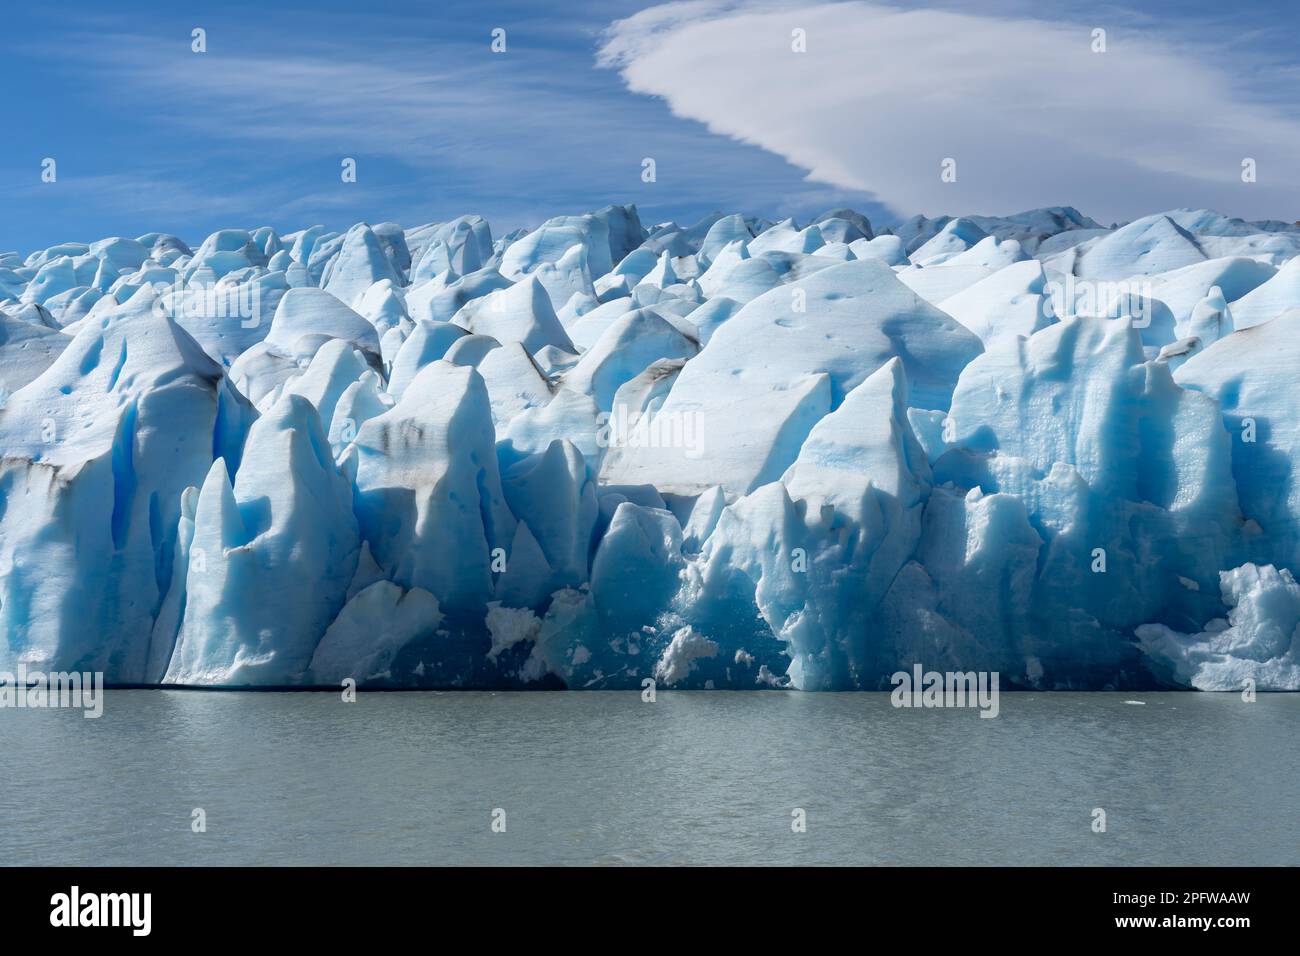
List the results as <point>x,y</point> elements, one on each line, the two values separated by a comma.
<point>732,454</point>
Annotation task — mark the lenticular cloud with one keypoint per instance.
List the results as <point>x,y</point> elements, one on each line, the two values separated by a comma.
<point>733,454</point>
<point>1019,105</point>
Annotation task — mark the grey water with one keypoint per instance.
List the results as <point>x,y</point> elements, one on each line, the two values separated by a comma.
<point>692,778</point>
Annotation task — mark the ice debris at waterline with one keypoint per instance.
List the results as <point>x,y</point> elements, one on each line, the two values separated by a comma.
<point>732,454</point>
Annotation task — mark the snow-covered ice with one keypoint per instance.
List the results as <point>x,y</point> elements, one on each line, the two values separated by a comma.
<point>730,453</point>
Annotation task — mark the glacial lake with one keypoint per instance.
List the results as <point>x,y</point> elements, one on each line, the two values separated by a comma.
<point>693,778</point>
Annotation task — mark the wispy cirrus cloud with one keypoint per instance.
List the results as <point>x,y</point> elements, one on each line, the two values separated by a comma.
<point>519,137</point>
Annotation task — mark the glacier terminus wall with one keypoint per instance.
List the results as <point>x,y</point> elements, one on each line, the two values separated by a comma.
<point>733,454</point>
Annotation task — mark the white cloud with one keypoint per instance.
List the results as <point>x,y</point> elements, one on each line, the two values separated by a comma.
<point>1031,114</point>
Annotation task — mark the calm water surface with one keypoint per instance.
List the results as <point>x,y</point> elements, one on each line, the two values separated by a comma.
<point>698,778</point>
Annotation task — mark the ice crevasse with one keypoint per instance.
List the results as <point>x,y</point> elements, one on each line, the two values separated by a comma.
<point>728,454</point>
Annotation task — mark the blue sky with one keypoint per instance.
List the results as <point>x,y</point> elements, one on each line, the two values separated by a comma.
<point>150,136</point>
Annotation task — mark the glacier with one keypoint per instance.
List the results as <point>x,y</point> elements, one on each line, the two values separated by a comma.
<point>733,453</point>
